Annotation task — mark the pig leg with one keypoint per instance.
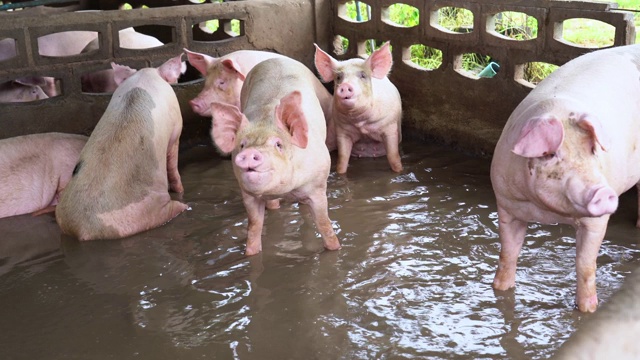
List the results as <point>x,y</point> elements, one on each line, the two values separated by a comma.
<point>589,235</point>
<point>255,210</point>
<point>175,182</point>
<point>345,144</point>
<point>391,141</point>
<point>512,232</point>
<point>317,201</point>
<point>273,204</point>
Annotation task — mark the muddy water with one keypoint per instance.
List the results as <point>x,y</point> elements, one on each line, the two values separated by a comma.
<point>412,281</point>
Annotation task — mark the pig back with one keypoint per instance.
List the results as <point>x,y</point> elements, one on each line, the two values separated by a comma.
<point>271,80</point>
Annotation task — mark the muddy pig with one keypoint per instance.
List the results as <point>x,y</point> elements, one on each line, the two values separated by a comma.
<point>566,153</point>
<point>23,90</point>
<point>611,333</point>
<point>120,184</point>
<point>34,169</point>
<point>277,144</point>
<point>367,110</point>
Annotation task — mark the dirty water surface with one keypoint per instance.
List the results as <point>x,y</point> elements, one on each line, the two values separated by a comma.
<point>412,280</point>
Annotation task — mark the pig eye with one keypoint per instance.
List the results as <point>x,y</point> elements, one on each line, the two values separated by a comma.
<point>278,145</point>
<point>362,75</point>
<point>339,76</point>
<point>243,143</point>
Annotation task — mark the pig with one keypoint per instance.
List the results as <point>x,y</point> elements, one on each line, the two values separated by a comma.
<point>23,90</point>
<point>34,169</point>
<point>224,77</point>
<point>120,184</point>
<point>566,153</point>
<point>367,110</point>
<point>611,333</point>
<point>102,81</point>
<point>277,145</point>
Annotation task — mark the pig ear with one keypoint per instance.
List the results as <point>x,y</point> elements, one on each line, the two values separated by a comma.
<point>540,136</point>
<point>121,73</point>
<point>325,64</point>
<point>595,130</point>
<point>291,118</point>
<point>170,71</point>
<point>380,61</point>
<point>227,121</point>
<point>232,66</point>
<point>200,61</point>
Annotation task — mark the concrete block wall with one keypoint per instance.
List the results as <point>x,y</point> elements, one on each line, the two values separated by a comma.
<point>446,106</point>
<point>262,28</point>
<point>438,104</point>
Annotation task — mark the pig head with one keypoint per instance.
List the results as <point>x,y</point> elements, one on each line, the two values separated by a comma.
<point>120,184</point>
<point>23,90</point>
<point>367,109</point>
<point>277,145</point>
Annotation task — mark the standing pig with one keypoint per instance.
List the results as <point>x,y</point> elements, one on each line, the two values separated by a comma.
<point>565,154</point>
<point>34,169</point>
<point>367,110</point>
<point>22,90</point>
<point>119,186</point>
<point>277,145</point>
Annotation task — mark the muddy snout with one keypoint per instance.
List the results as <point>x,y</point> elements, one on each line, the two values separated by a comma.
<point>601,200</point>
<point>249,159</point>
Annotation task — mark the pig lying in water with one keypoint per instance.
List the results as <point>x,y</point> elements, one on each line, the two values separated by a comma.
<point>277,145</point>
<point>120,185</point>
<point>34,169</point>
<point>565,154</point>
<point>367,110</point>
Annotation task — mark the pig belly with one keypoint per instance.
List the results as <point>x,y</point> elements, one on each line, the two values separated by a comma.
<point>153,211</point>
<point>368,148</point>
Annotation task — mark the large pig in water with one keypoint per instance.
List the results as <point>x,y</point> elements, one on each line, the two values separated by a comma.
<point>565,154</point>
<point>34,169</point>
<point>277,145</point>
<point>367,110</point>
<point>120,185</point>
<point>23,90</point>
<point>225,75</point>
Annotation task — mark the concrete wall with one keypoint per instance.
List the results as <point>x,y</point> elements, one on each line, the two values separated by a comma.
<point>469,112</point>
<point>440,104</point>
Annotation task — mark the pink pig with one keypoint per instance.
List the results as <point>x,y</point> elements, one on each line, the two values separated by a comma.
<point>102,81</point>
<point>120,185</point>
<point>565,154</point>
<point>23,90</point>
<point>277,144</point>
<point>367,110</point>
<point>34,169</point>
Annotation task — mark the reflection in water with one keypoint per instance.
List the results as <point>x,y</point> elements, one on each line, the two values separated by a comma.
<point>413,279</point>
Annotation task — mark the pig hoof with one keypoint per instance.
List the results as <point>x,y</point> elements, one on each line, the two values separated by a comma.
<point>252,251</point>
<point>589,304</point>
<point>503,285</point>
<point>396,168</point>
<point>333,246</point>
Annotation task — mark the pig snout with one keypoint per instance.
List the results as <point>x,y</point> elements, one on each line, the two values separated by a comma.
<point>345,91</point>
<point>249,159</point>
<point>200,107</point>
<point>602,200</point>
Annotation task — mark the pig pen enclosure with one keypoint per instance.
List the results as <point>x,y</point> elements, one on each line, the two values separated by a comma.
<point>413,279</point>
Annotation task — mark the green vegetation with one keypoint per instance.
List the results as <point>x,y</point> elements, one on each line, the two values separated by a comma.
<point>514,25</point>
